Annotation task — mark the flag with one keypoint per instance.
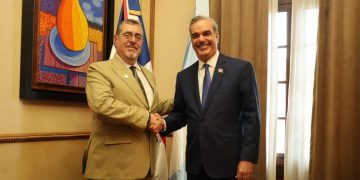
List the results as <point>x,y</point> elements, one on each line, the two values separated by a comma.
<point>177,169</point>
<point>131,10</point>
<point>159,168</point>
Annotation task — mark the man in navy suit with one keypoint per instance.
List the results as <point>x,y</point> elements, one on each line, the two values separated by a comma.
<point>217,98</point>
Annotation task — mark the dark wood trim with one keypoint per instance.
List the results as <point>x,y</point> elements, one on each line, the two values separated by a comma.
<point>34,137</point>
<point>284,6</point>
<point>282,2</point>
<point>287,8</point>
<point>279,166</point>
<point>110,6</point>
<point>152,31</point>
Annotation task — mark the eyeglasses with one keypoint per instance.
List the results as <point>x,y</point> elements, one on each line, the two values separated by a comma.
<point>129,36</point>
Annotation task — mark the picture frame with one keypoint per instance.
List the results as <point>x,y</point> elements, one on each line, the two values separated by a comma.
<point>53,65</point>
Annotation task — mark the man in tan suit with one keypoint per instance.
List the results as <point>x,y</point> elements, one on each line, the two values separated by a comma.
<point>123,97</point>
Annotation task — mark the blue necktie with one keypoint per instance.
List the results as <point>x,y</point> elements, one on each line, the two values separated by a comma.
<point>206,84</point>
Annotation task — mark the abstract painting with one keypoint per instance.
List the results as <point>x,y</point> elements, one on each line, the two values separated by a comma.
<point>70,37</point>
<point>67,36</point>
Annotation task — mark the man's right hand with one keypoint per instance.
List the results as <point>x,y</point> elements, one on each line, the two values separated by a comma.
<point>155,124</point>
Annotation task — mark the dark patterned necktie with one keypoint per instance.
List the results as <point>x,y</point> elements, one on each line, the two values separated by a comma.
<point>133,69</point>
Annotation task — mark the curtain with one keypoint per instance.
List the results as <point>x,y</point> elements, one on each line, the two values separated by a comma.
<point>272,84</point>
<point>335,144</point>
<point>243,34</point>
<point>301,82</point>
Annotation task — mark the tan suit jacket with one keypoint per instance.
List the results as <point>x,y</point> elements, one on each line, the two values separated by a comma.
<point>119,144</point>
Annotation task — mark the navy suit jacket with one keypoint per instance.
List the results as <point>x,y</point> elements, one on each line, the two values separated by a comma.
<point>227,129</point>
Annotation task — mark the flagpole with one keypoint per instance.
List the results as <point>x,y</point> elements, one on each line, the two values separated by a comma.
<point>177,169</point>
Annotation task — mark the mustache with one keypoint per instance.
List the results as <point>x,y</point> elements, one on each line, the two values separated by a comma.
<point>132,46</point>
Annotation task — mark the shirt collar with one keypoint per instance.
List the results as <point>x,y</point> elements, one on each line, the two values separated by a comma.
<point>211,62</point>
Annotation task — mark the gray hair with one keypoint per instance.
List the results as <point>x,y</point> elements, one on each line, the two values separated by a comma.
<point>199,18</point>
<point>128,21</point>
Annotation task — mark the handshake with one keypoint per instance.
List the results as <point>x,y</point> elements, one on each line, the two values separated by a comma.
<point>156,123</point>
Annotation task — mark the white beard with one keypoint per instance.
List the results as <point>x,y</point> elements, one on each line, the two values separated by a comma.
<point>132,55</point>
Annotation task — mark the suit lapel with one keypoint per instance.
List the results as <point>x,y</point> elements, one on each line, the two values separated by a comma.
<point>195,85</point>
<point>125,74</point>
<point>216,81</point>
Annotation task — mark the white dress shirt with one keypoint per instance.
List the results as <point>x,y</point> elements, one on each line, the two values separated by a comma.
<point>147,87</point>
<point>201,72</point>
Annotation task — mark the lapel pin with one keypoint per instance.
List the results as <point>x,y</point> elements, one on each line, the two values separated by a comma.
<point>220,70</point>
<point>126,76</point>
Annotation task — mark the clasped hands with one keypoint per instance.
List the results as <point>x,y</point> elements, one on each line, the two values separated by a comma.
<point>155,124</point>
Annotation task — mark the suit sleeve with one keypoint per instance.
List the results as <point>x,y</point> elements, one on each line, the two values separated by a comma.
<point>165,106</point>
<point>176,119</point>
<point>102,101</point>
<point>250,119</point>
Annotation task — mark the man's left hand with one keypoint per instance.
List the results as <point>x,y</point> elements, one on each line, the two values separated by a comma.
<point>244,170</point>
